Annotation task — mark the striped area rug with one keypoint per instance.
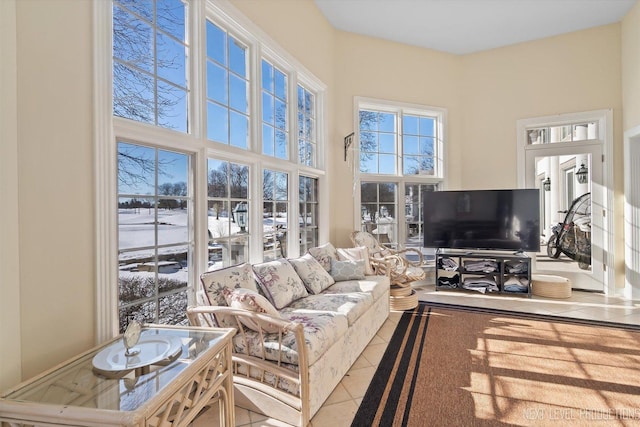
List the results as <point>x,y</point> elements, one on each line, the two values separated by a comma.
<point>457,366</point>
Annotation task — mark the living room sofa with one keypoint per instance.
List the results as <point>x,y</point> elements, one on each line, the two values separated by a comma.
<point>301,323</point>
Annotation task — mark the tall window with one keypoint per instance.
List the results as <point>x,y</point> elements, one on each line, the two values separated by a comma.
<point>155,216</point>
<point>308,200</point>
<point>275,213</point>
<point>227,88</point>
<point>307,141</point>
<point>228,214</point>
<point>161,51</point>
<point>275,134</point>
<point>401,153</point>
<point>150,62</point>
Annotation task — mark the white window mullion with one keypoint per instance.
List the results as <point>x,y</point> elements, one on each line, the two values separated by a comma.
<point>201,236</point>
<point>294,149</point>
<point>197,66</point>
<point>293,226</point>
<point>105,176</point>
<point>255,109</point>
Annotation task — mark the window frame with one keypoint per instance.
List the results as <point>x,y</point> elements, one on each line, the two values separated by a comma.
<point>195,142</point>
<point>439,178</point>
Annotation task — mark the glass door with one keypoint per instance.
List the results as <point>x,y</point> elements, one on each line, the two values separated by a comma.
<point>572,240</point>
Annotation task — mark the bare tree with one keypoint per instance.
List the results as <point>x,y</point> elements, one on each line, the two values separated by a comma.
<point>139,53</point>
<point>137,165</point>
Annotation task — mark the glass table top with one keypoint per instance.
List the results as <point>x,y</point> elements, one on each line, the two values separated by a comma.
<point>76,383</point>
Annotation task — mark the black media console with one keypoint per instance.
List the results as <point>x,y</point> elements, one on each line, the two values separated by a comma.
<point>484,271</point>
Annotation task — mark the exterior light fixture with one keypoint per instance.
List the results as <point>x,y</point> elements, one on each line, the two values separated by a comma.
<point>546,184</point>
<point>240,216</point>
<point>582,174</point>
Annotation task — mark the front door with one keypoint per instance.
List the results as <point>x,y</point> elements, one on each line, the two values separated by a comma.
<point>564,173</point>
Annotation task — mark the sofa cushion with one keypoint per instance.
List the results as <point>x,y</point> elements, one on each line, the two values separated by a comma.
<point>279,282</point>
<point>321,330</point>
<point>315,277</point>
<point>354,254</point>
<point>324,254</point>
<point>347,270</point>
<point>237,276</point>
<point>249,300</point>
<point>352,305</point>
<point>377,286</point>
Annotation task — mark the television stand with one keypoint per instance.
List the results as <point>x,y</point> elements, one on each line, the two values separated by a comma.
<point>484,271</point>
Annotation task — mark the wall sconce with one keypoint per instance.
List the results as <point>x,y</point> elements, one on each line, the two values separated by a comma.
<point>546,184</point>
<point>348,140</point>
<point>582,174</point>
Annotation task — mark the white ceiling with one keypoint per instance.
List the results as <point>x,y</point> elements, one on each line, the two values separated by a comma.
<point>466,26</point>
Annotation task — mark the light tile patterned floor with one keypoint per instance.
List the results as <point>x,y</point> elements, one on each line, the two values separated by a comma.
<point>341,406</point>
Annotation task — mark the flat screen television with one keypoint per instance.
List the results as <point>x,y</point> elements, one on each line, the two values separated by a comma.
<point>482,219</point>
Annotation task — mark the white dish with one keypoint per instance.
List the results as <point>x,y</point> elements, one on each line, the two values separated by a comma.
<point>153,348</point>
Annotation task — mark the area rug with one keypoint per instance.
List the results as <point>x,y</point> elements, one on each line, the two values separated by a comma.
<point>460,366</point>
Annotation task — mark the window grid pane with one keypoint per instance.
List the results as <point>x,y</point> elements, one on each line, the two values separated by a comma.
<point>274,112</point>
<point>275,214</point>
<point>306,127</point>
<point>563,133</point>
<point>150,54</point>
<point>419,136</point>
<point>308,221</point>
<point>378,142</point>
<point>413,196</point>
<point>227,88</point>
<point>378,210</point>
<point>229,210</point>
<point>154,247</point>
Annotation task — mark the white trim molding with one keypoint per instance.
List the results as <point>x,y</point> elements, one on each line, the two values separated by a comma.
<point>604,118</point>
<point>105,179</point>
<point>631,213</point>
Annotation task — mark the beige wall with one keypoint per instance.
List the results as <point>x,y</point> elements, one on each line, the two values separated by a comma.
<point>631,68</point>
<point>374,68</point>
<point>55,172</point>
<point>484,94</point>
<point>569,73</point>
<point>10,352</point>
<point>299,28</point>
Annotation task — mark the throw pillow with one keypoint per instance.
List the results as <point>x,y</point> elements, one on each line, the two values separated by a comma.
<point>249,300</point>
<point>238,276</point>
<point>316,279</point>
<point>280,282</point>
<point>354,254</point>
<point>324,254</point>
<point>347,270</point>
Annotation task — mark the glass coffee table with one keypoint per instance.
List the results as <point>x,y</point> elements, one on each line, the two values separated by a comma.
<point>93,389</point>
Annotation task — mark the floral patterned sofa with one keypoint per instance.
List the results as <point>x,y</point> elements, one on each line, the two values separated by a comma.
<point>301,324</point>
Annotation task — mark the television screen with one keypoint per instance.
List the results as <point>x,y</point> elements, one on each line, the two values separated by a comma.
<point>482,219</point>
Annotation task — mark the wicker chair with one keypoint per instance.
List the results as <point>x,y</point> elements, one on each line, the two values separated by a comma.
<point>401,270</point>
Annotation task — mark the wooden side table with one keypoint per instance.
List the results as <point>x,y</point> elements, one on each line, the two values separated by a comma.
<point>171,392</point>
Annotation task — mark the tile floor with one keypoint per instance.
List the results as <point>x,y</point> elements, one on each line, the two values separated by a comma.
<point>341,406</point>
